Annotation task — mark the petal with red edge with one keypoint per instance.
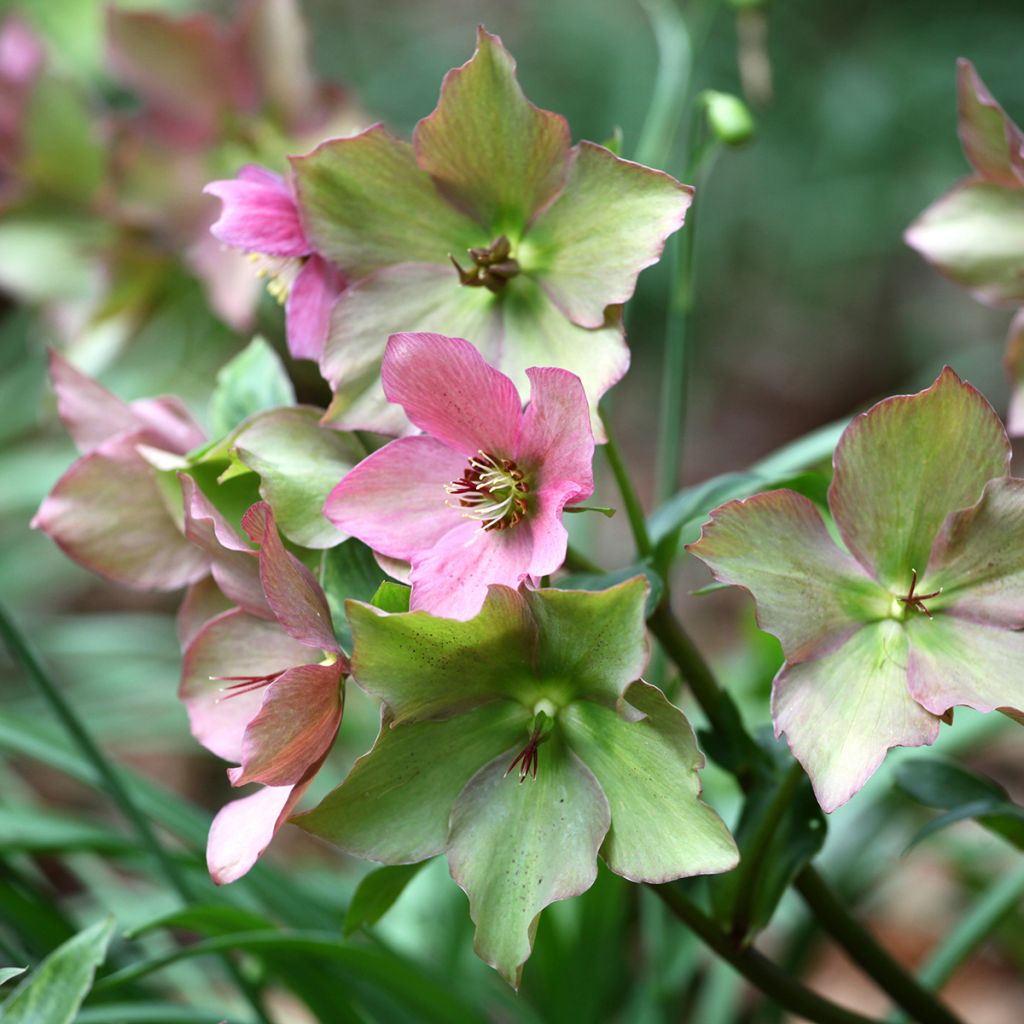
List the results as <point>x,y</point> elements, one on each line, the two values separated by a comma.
<point>992,142</point>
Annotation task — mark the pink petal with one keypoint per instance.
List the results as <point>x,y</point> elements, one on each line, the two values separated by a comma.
<point>234,565</point>
<point>395,501</point>
<point>244,828</point>
<point>107,513</point>
<point>21,52</point>
<point>232,644</point>
<point>259,215</point>
<point>448,389</point>
<point>295,727</point>
<point>451,580</point>
<point>203,601</point>
<point>232,288</point>
<point>548,534</point>
<point>169,423</point>
<point>308,309</point>
<point>555,435</point>
<point>290,588</point>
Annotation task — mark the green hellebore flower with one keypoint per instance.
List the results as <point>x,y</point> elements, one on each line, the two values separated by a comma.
<point>546,239</point>
<point>522,743</point>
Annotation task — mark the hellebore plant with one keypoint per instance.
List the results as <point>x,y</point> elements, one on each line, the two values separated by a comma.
<point>975,233</point>
<point>477,499</point>
<point>263,686</point>
<point>491,227</point>
<point>924,609</point>
<point>522,744</point>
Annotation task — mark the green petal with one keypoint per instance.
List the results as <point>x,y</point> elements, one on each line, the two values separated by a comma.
<point>517,846</point>
<point>490,150</point>
<point>957,662</point>
<point>661,830</point>
<point>537,333</point>
<point>809,594</point>
<point>411,297</point>
<point>1014,360</point>
<point>366,205</point>
<point>395,803</point>
<point>904,465</point>
<point>610,222</point>
<point>991,141</point>
<point>425,667</point>
<point>591,644</point>
<point>298,462</point>
<point>975,236</point>
<point>842,712</point>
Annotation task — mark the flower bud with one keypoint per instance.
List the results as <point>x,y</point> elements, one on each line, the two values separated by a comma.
<point>728,117</point>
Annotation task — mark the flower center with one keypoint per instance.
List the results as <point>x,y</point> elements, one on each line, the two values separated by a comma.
<point>528,759</point>
<point>914,601</point>
<point>244,684</point>
<point>492,266</point>
<point>492,490</point>
<point>279,273</point>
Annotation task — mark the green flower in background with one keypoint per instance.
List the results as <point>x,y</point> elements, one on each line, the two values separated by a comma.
<point>491,227</point>
<point>522,744</point>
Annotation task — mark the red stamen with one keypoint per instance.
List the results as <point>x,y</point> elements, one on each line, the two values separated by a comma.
<point>246,684</point>
<point>916,601</point>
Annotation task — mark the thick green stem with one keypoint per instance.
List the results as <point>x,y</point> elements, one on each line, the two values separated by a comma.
<point>634,510</point>
<point>23,654</point>
<point>755,967</point>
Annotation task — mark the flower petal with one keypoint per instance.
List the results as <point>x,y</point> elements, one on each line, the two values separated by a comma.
<point>394,804</point>
<point>544,833</point>
<point>410,297</point>
<point>594,641</point>
<point>991,141</point>
<point>809,594</point>
<point>395,501</point>
<point>609,223</point>
<point>244,828</point>
<point>842,712</point>
<point>295,726</point>
<point>366,205</point>
<point>1014,359</point>
<point>232,644</point>
<point>258,214</point>
<point>904,465</point>
<point>975,236</point>
<point>425,667</point>
<point>292,591</point>
<point>298,462</point>
<point>107,513</point>
<point>978,560</point>
<point>309,305</point>
<point>450,391</point>
<point>451,579</point>
<point>233,563</point>
<point>661,829</point>
<point>203,601</point>
<point>957,662</point>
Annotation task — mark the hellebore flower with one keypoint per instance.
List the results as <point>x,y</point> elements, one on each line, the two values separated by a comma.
<point>522,744</point>
<point>478,498</point>
<point>974,234</point>
<point>546,239</point>
<point>266,692</point>
<point>923,611</point>
<point>260,218</point>
<point>108,512</point>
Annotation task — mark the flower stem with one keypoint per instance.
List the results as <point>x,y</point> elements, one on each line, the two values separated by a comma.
<point>755,967</point>
<point>634,510</point>
<point>23,654</point>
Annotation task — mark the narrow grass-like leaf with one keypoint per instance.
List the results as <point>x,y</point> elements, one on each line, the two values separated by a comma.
<point>376,894</point>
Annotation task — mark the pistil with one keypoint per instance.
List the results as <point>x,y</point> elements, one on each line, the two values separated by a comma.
<point>244,684</point>
<point>527,759</point>
<point>493,490</point>
<point>492,268</point>
<point>916,601</point>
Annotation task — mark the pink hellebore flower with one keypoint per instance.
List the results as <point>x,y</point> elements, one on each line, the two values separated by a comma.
<point>263,687</point>
<point>261,218</point>
<point>477,499</point>
<point>108,512</point>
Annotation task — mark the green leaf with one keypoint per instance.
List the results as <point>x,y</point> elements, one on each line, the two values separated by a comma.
<point>377,893</point>
<point>206,919</point>
<point>33,829</point>
<point>251,382</point>
<point>348,572</point>
<point>6,973</point>
<point>392,597</point>
<point>604,580</point>
<point>150,1013</point>
<point>54,991</point>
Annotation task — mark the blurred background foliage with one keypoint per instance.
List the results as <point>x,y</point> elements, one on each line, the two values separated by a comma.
<point>809,306</point>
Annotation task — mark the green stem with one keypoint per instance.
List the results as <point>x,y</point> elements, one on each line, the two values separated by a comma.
<point>634,510</point>
<point>756,968</point>
<point>995,904</point>
<point>756,849</point>
<point>23,654</point>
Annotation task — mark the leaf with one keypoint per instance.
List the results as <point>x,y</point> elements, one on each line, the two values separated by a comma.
<point>251,382</point>
<point>348,572</point>
<point>54,991</point>
<point>36,830</point>
<point>377,893</point>
<point>206,919</point>
<point>6,973</point>
<point>149,1013</point>
<point>604,580</point>
<point>392,597</point>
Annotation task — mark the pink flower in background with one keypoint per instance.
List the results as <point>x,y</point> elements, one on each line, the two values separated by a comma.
<point>476,499</point>
<point>262,690</point>
<point>260,217</point>
<point>21,60</point>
